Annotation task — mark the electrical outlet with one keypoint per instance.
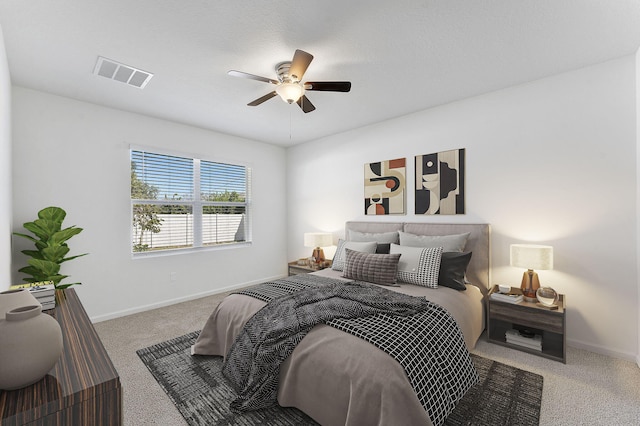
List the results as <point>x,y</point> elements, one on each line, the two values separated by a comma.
<point>173,276</point>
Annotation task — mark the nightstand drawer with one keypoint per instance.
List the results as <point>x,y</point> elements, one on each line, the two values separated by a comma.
<point>517,314</point>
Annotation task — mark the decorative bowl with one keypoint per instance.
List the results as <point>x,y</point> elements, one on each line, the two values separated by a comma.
<point>547,296</point>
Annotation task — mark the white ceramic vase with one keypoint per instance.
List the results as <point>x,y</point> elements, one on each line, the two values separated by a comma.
<point>31,346</point>
<point>12,299</point>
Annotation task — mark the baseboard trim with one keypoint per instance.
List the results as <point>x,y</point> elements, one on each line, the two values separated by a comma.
<point>161,304</point>
<point>602,350</point>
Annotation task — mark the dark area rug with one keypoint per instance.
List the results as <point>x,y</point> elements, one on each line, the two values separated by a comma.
<point>505,395</point>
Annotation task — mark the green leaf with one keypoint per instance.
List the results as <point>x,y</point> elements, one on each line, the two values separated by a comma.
<point>54,214</point>
<point>63,286</point>
<point>46,266</point>
<point>60,237</point>
<point>41,245</point>
<point>36,230</point>
<point>55,253</point>
<point>31,270</point>
<point>49,227</point>
<point>28,237</point>
<point>73,257</point>
<point>33,253</point>
<point>57,278</point>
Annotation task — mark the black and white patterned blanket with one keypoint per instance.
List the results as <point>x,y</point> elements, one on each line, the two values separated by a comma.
<point>420,335</point>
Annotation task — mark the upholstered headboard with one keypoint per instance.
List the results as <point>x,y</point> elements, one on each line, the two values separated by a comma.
<point>479,242</point>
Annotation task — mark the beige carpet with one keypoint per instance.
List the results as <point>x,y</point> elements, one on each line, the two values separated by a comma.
<point>590,389</point>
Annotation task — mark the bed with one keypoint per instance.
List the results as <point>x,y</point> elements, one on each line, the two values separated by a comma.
<point>339,379</point>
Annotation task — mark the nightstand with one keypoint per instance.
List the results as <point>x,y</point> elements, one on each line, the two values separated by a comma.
<point>547,323</point>
<point>295,269</point>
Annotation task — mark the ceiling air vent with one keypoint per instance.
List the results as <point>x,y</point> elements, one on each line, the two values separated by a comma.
<point>121,72</point>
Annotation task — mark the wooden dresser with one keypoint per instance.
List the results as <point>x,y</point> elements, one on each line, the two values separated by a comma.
<point>82,389</point>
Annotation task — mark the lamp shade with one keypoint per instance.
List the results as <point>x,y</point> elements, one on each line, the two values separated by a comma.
<point>290,92</point>
<point>532,256</point>
<point>318,239</point>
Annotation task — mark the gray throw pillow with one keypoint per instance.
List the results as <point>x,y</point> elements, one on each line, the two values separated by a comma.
<point>373,268</point>
<point>339,257</point>
<point>378,237</point>
<point>455,242</point>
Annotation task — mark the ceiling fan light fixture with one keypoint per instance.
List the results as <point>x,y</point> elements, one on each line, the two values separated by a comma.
<point>290,92</point>
<point>289,85</point>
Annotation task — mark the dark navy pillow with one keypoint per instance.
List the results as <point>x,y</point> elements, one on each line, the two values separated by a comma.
<point>383,248</point>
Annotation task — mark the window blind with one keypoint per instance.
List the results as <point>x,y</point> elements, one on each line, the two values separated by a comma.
<point>181,202</point>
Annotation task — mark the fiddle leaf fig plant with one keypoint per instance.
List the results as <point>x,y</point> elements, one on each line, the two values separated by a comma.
<point>51,247</point>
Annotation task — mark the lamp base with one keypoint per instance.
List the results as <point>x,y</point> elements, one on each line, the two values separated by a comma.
<point>530,284</point>
<point>318,255</point>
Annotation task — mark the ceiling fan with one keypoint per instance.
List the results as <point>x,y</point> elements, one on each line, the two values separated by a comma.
<point>289,86</point>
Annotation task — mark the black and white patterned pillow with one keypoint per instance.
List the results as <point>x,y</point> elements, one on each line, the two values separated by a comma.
<point>374,268</point>
<point>339,257</point>
<point>419,266</point>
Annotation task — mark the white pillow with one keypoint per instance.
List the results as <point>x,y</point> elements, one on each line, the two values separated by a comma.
<point>417,265</point>
<point>455,242</point>
<point>340,256</point>
<point>379,237</point>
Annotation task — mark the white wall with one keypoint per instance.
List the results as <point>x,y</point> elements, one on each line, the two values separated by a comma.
<point>5,169</point>
<point>552,161</point>
<point>637,91</point>
<point>76,155</point>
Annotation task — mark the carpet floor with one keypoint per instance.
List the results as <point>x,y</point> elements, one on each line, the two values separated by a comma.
<point>505,395</point>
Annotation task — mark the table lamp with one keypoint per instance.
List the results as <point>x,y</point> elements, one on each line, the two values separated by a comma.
<point>531,256</point>
<point>317,240</point>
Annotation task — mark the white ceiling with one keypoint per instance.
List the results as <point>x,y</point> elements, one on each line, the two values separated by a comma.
<point>401,56</point>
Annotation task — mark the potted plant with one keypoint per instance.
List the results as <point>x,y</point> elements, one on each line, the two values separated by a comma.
<point>51,247</point>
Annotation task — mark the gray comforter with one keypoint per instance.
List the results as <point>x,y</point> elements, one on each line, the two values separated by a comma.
<point>389,332</point>
<point>252,365</point>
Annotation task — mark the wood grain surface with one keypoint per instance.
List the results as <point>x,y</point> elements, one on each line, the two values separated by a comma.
<point>82,389</point>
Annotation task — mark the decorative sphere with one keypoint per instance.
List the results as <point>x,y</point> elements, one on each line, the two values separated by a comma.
<point>547,296</point>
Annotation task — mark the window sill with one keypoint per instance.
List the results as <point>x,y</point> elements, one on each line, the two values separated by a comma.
<point>162,253</point>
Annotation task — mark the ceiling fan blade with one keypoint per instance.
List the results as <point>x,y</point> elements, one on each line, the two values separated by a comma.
<point>328,86</point>
<point>262,99</point>
<point>251,76</point>
<point>305,104</point>
<point>299,64</point>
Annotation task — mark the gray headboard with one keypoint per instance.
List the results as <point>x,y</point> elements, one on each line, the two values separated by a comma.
<point>479,242</point>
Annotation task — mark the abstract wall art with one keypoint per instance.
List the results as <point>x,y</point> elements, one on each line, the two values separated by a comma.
<point>440,183</point>
<point>385,187</point>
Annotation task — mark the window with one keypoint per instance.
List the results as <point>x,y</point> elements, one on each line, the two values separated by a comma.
<point>183,203</point>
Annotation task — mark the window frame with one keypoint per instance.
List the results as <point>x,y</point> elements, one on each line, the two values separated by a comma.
<point>197,204</point>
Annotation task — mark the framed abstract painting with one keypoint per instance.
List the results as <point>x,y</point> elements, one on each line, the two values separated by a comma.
<point>385,187</point>
<point>440,183</point>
